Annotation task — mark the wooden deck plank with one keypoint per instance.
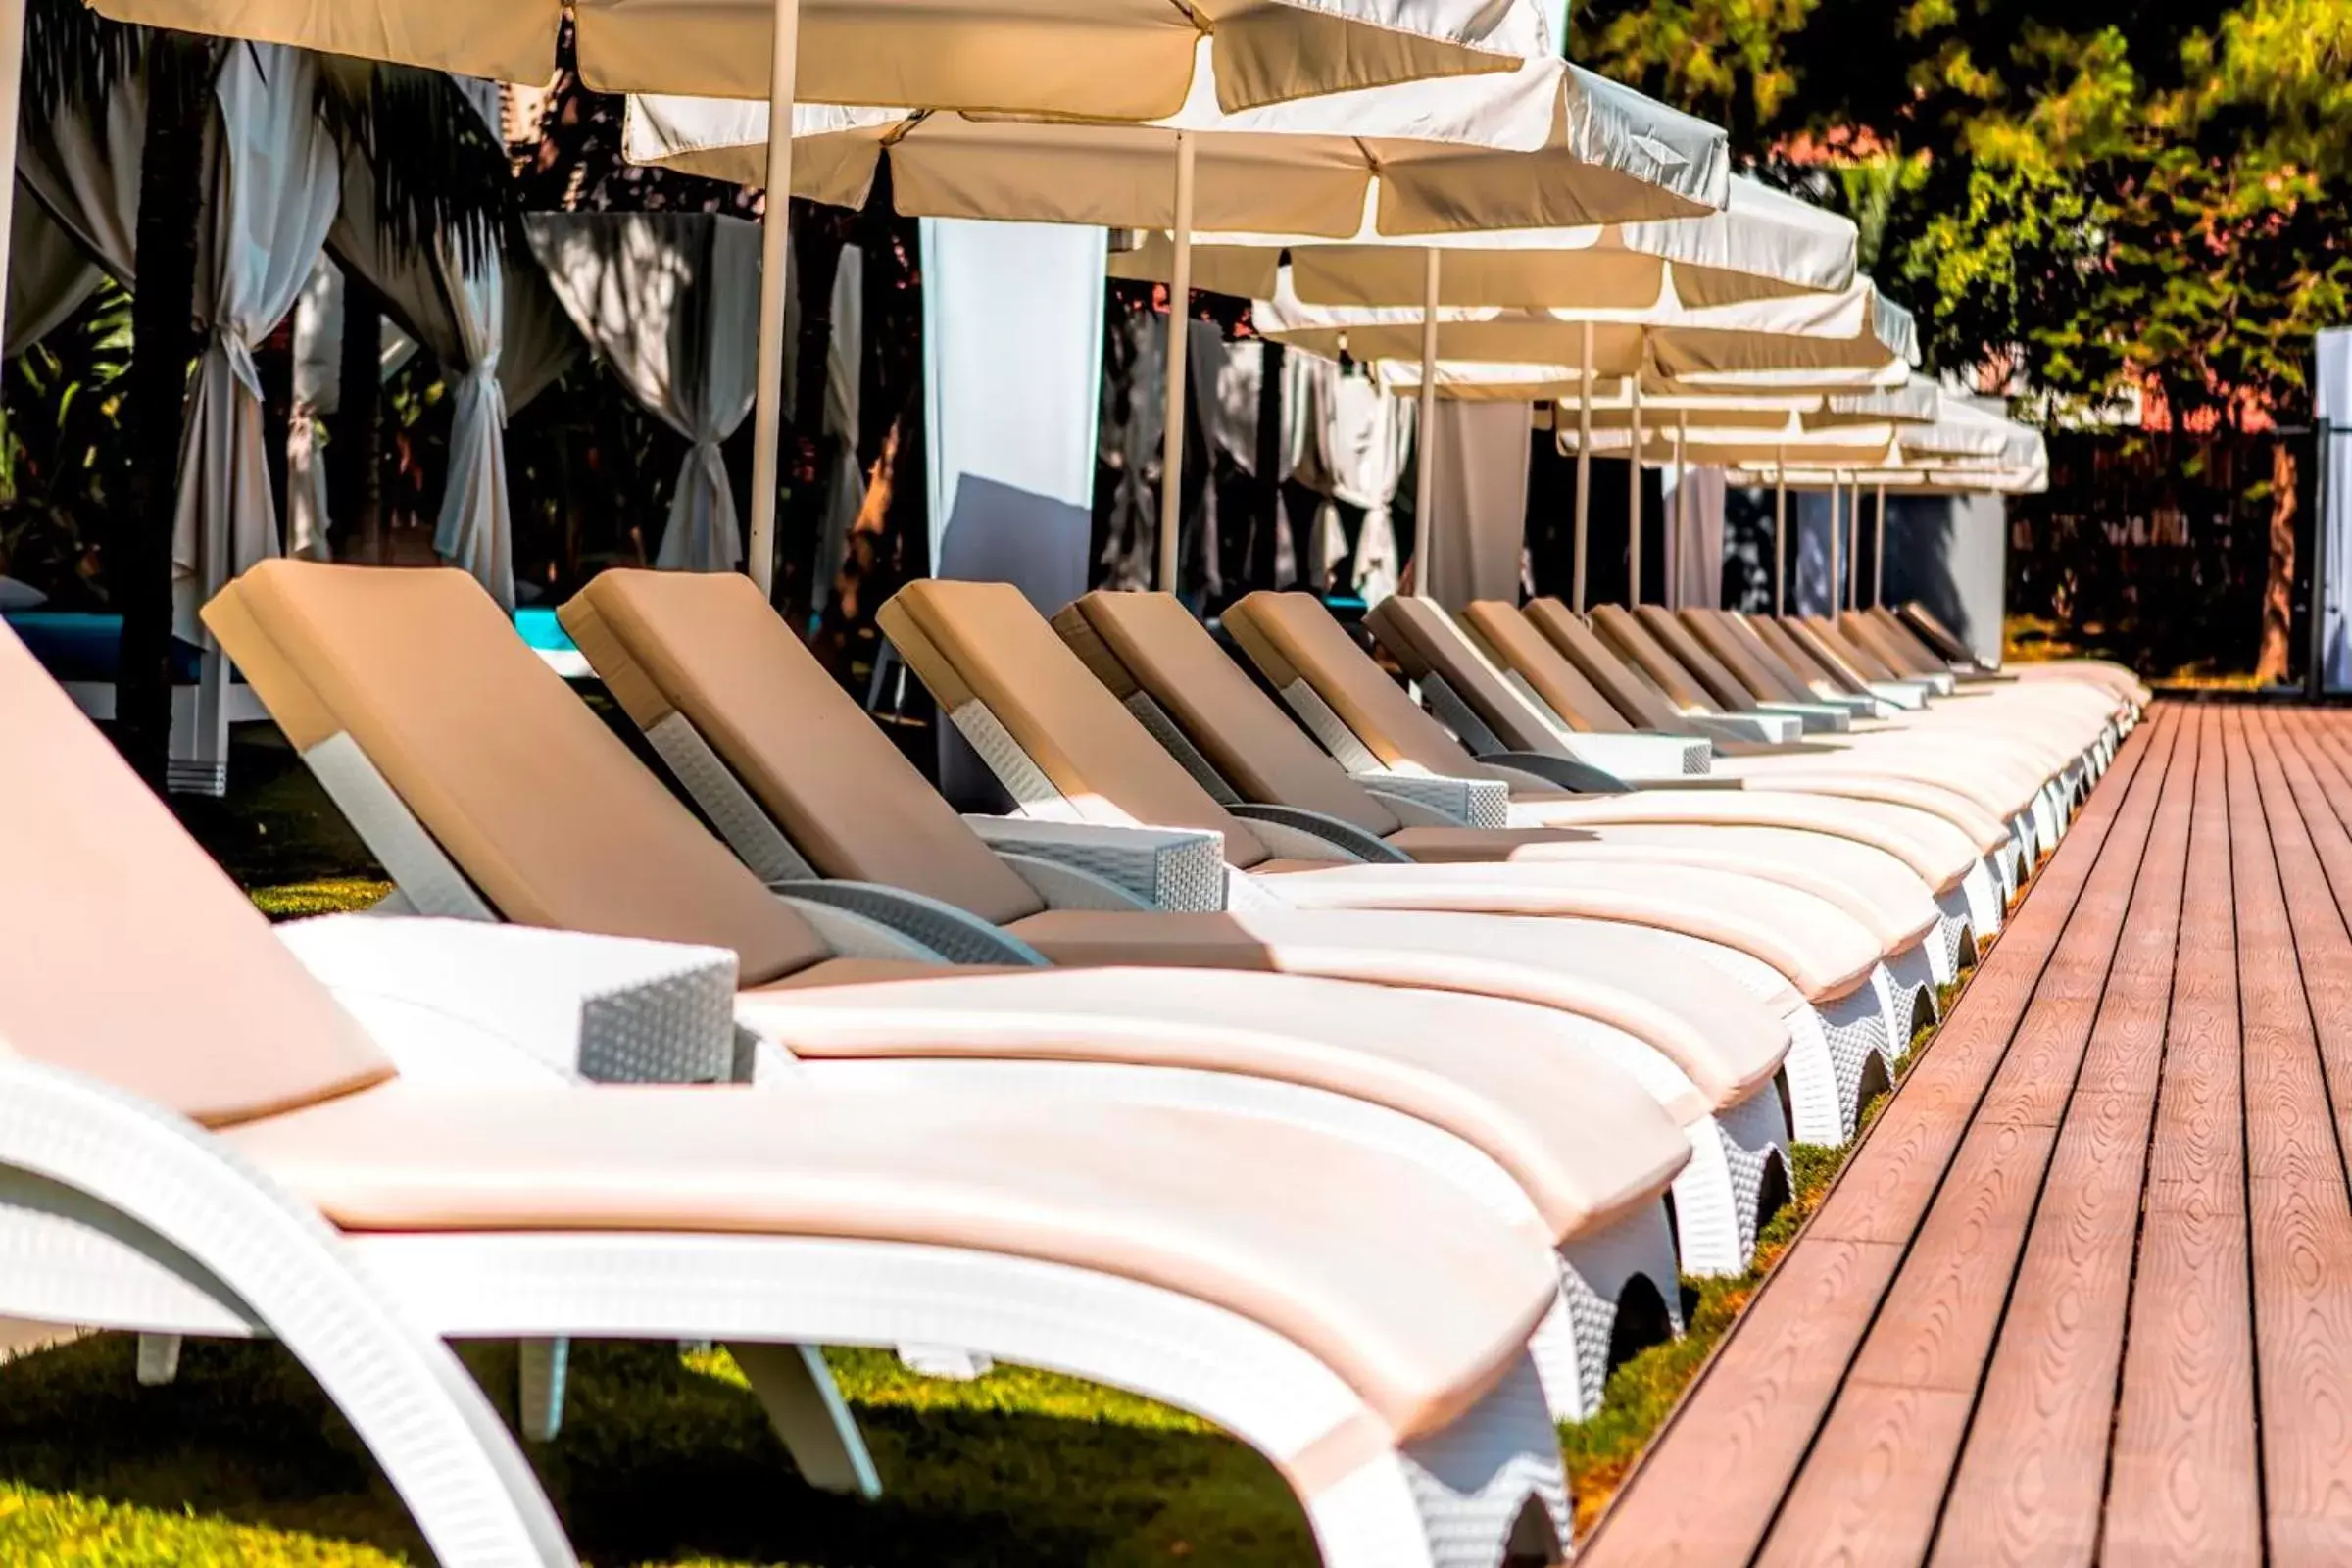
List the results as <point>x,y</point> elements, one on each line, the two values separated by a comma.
<point>2292,969</point>
<point>1753,1412</point>
<point>2183,1487</point>
<point>1935,1330</point>
<point>2030,1481</point>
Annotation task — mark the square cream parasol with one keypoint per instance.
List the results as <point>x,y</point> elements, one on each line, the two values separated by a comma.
<point>1852,339</point>
<point>1763,244</point>
<point>1119,59</point>
<point>1545,144</point>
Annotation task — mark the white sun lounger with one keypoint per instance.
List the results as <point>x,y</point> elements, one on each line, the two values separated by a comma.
<point>196,1140</point>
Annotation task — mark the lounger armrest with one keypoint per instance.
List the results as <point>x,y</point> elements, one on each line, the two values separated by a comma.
<point>1432,799</point>
<point>1561,772</point>
<point>1904,694</point>
<point>1067,887</point>
<point>473,1000</point>
<point>955,935</point>
<point>1181,869</point>
<point>1818,718</point>
<point>1294,833</point>
<point>1645,759</point>
<point>1773,729</point>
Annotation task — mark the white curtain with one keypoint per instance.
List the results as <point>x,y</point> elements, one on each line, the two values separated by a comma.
<point>49,274</point>
<point>1359,439</point>
<point>272,201</point>
<point>669,301</point>
<point>844,368</point>
<point>1695,511</point>
<point>1478,497</point>
<point>85,171</point>
<point>475,531</point>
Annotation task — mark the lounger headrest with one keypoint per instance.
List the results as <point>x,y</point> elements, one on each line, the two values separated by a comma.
<point>1417,634</point>
<point>1625,688</point>
<point>1293,637</point>
<point>541,807</point>
<point>1622,630</point>
<point>983,645</point>
<point>1159,649</point>
<point>708,647</point>
<point>1741,650</point>
<point>1723,688</point>
<point>1511,640</point>
<point>126,954</point>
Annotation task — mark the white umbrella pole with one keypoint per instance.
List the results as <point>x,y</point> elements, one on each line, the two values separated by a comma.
<point>1837,539</point>
<point>1425,466</point>
<point>12,92</point>
<point>1583,464</point>
<point>1877,555</point>
<point>1180,311</point>
<point>1633,498</point>
<point>1675,541</point>
<point>775,256</point>
<point>1853,553</point>
<point>1779,532</point>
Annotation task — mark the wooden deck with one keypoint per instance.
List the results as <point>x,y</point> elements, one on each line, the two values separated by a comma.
<point>2085,1294</point>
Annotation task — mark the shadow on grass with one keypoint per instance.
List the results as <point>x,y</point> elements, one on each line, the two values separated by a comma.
<point>662,1459</point>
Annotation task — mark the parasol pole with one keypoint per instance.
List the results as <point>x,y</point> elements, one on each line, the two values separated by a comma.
<point>1779,531</point>
<point>776,257</point>
<point>1180,310</point>
<point>1877,555</point>
<point>1583,464</point>
<point>1425,469</point>
<point>1633,500</point>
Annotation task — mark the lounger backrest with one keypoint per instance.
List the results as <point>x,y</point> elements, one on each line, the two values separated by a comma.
<point>1721,636</point>
<point>988,657</point>
<point>1150,643</point>
<point>1799,655</point>
<point>1293,639</point>
<point>124,953</point>
<point>1511,640</point>
<point>1867,664</point>
<point>539,804</point>
<point>1940,638</point>
<point>1424,640</point>
<point>1864,629</point>
<point>1623,632</point>
<point>1829,650</point>
<point>707,647</point>
<point>1735,631</point>
<point>1728,692</point>
<point>1627,688</point>
<point>1915,651</point>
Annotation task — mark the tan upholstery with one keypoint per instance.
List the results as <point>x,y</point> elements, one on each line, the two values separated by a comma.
<point>1788,670</point>
<point>1898,634</point>
<point>124,953</point>
<point>1630,692</point>
<point>1819,677</point>
<point>983,642</point>
<point>539,804</point>
<point>1726,1041</point>
<point>1421,639</point>
<point>1633,641</point>
<point>1503,632</point>
<point>1809,634</point>
<point>1153,641</point>
<point>1748,662</point>
<point>1857,658</point>
<point>1293,637</point>
<point>1867,633</point>
<point>1729,694</point>
<point>1420,1313</point>
<point>1582,1139</point>
<point>708,645</point>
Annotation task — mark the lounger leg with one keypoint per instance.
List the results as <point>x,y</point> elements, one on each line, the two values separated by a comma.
<point>541,1369</point>
<point>1817,1099</point>
<point>158,1359</point>
<point>1621,1273</point>
<point>211,1242</point>
<point>1855,1025</point>
<point>796,1388</point>
<point>1487,1488</point>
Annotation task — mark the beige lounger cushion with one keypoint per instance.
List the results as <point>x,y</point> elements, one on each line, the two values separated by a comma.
<point>1632,642</point>
<point>1418,637</point>
<point>1420,1313</point>
<point>1151,642</point>
<point>1508,638</point>
<point>984,642</point>
<point>1762,675</point>
<point>1631,693</point>
<point>1730,692</point>
<point>124,953</point>
<point>708,645</point>
<point>1579,1135</point>
<point>543,807</point>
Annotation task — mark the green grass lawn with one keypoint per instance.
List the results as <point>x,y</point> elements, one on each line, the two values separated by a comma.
<point>664,1457</point>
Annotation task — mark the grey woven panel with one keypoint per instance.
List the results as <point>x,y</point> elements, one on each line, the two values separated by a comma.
<point>740,820</point>
<point>1163,729</point>
<point>1472,801</point>
<point>1473,1479</point>
<point>1459,717</point>
<point>1171,868</point>
<point>1329,730</point>
<point>1698,757</point>
<point>1855,1026</point>
<point>420,866</point>
<point>1022,778</point>
<point>955,935</point>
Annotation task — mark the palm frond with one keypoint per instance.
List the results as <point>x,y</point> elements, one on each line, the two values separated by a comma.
<point>439,171</point>
<point>74,56</point>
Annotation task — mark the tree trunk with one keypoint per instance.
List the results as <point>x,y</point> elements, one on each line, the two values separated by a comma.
<point>1265,523</point>
<point>355,445</point>
<point>816,262</point>
<point>2278,590</point>
<point>274,362</point>
<point>163,341</point>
